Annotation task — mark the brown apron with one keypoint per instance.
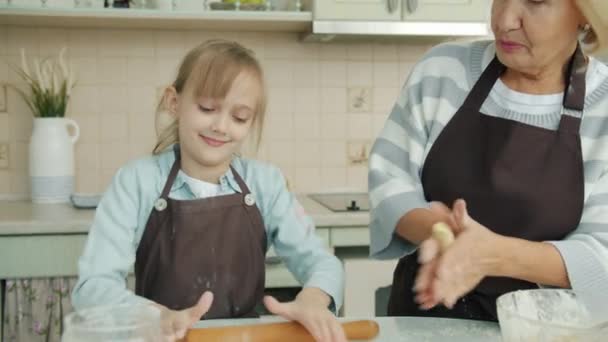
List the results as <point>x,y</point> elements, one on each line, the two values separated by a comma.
<point>518,180</point>
<point>191,246</point>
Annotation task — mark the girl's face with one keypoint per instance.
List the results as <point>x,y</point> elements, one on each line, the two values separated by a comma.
<point>211,130</point>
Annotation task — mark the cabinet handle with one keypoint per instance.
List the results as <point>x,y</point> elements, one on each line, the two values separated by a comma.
<point>411,5</point>
<point>392,5</point>
<point>273,260</point>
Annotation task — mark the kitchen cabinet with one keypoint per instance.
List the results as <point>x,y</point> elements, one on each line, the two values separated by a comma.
<point>446,10</point>
<point>364,278</point>
<point>357,10</point>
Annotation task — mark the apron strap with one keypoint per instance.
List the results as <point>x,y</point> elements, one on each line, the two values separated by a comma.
<point>574,96</point>
<point>240,181</point>
<point>483,86</point>
<point>172,174</point>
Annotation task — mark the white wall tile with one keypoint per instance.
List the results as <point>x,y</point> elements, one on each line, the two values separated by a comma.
<point>306,101</point>
<point>113,43</point>
<point>142,100</point>
<point>23,38</point>
<point>20,182</point>
<point>140,71</point>
<point>87,156</point>
<point>113,99</point>
<point>282,153</point>
<point>279,127</point>
<point>85,69</point>
<point>112,70</point>
<point>87,181</point>
<point>333,178</point>
<point>20,123</point>
<point>306,74</point>
<point>3,40</point>
<point>384,99</point>
<point>89,128</point>
<point>52,41</point>
<point>385,52</point>
<point>279,72</point>
<point>332,52</point>
<point>114,155</point>
<point>333,127</point>
<point>333,74</point>
<point>307,126</point>
<point>386,74</point>
<point>19,156</point>
<point>333,154</point>
<point>84,100</point>
<point>142,43</point>
<point>166,70</point>
<point>357,177</point>
<point>278,45</point>
<point>360,74</point>
<point>359,52</point>
<point>170,44</point>
<point>83,43</point>
<point>333,100</point>
<point>5,181</point>
<point>280,101</point>
<point>308,179</point>
<point>360,126</point>
<point>4,127</point>
<point>115,128</point>
<point>141,126</point>
<point>307,154</point>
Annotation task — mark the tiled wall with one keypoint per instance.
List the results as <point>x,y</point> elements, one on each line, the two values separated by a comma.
<point>314,116</point>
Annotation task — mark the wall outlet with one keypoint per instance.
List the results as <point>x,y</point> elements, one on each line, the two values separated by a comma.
<point>3,106</point>
<point>3,155</point>
<point>358,151</point>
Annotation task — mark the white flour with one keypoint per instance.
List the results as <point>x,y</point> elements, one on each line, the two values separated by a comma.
<point>543,315</point>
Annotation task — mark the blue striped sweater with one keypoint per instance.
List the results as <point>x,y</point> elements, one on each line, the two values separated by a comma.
<point>435,89</point>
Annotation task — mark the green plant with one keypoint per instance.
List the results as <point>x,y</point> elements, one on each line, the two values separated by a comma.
<point>49,85</point>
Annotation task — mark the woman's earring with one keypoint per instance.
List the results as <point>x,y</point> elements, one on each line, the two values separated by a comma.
<point>586,28</point>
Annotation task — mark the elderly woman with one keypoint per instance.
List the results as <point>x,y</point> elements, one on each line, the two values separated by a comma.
<point>507,142</point>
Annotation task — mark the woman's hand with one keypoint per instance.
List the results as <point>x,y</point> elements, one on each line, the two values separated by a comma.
<point>175,324</point>
<point>446,276</point>
<point>310,308</point>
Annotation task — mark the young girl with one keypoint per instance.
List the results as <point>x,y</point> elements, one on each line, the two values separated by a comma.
<point>195,220</point>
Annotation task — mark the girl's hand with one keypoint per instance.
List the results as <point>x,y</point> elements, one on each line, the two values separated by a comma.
<point>175,323</point>
<point>310,309</point>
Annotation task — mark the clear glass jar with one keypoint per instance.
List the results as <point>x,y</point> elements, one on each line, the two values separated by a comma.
<point>117,323</point>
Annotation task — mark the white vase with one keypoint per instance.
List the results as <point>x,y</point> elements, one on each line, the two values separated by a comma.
<point>52,160</point>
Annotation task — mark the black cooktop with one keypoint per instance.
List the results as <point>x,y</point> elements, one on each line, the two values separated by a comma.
<point>342,202</point>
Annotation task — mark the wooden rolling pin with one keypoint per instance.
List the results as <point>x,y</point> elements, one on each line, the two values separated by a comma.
<point>277,332</point>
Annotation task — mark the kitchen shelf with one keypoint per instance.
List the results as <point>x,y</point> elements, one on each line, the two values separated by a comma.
<point>156,19</point>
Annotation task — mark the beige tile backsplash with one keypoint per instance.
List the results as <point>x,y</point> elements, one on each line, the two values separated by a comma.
<point>121,72</point>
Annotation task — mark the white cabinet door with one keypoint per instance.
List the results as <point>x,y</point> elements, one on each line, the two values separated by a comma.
<point>374,10</point>
<point>446,10</point>
<point>363,278</point>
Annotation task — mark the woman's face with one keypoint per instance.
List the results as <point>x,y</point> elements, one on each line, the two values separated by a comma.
<point>532,35</point>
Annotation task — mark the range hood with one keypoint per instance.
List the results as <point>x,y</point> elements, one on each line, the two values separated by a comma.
<point>330,30</point>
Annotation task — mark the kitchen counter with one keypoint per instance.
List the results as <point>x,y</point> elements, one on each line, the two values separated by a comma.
<point>27,218</point>
<point>405,328</point>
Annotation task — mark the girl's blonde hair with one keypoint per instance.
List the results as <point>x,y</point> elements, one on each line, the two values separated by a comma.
<point>209,70</point>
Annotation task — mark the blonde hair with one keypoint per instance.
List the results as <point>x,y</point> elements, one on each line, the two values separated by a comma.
<point>209,70</point>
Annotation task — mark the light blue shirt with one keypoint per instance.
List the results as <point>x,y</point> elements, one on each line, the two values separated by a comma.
<point>122,214</point>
